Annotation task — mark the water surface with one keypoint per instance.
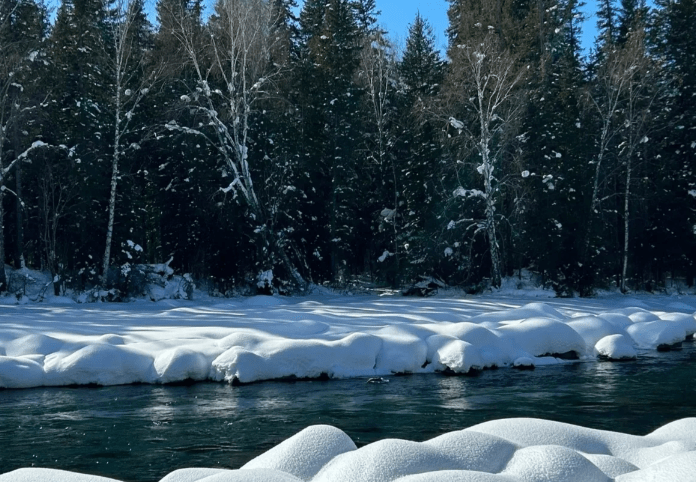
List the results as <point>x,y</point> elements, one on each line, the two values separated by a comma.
<point>143,432</point>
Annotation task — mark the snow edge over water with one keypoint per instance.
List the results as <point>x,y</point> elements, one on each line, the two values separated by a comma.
<point>510,450</point>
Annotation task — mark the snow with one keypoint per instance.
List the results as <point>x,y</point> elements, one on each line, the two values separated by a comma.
<point>324,335</point>
<point>511,450</point>
<point>616,347</point>
<point>304,454</point>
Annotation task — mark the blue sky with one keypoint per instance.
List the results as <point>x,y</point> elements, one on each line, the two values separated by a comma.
<point>398,14</point>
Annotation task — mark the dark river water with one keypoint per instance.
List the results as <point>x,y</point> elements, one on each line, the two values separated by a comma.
<point>141,433</point>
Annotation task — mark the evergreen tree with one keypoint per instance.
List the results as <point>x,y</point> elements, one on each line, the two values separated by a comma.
<point>420,150</point>
<point>554,153</point>
<point>670,248</point>
<point>79,120</point>
<point>22,31</point>
<point>330,100</point>
<point>607,23</point>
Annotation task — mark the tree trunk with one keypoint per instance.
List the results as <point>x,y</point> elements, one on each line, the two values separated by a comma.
<point>19,261</point>
<point>112,215</point>
<point>3,275</point>
<point>626,223</point>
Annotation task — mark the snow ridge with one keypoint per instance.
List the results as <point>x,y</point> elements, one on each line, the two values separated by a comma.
<point>265,338</point>
<point>512,450</point>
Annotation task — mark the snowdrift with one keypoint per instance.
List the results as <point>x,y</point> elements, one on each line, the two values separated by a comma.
<point>265,338</point>
<point>513,450</point>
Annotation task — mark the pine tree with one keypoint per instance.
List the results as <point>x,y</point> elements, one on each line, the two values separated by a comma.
<point>420,151</point>
<point>330,102</point>
<point>79,120</point>
<point>671,246</point>
<point>554,153</point>
<point>22,30</point>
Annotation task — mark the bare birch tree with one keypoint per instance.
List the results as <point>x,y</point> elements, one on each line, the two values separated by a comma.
<point>377,75</point>
<point>132,79</point>
<point>619,101</point>
<point>234,73</point>
<point>485,79</point>
<point>642,90</point>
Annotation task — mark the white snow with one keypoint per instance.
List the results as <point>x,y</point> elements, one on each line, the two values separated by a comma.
<point>270,337</point>
<point>511,450</point>
<point>616,347</point>
<point>304,454</point>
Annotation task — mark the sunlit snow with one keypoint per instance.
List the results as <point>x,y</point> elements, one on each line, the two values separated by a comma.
<point>326,335</point>
<point>512,450</point>
<point>264,337</point>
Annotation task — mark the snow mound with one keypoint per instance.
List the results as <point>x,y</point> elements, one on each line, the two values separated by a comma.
<point>275,358</point>
<point>49,475</point>
<point>20,372</point>
<point>511,450</point>
<point>675,468</point>
<point>530,310</point>
<point>269,337</point>
<point>101,365</point>
<point>451,354</point>
<point>457,476</point>
<point>684,429</point>
<point>616,347</point>
<point>35,344</point>
<point>643,317</point>
<point>402,352</point>
<point>611,466</point>
<point>617,319</point>
<point>543,337</point>
<point>255,475</point>
<point>181,363</point>
<point>552,463</point>
<point>655,334</point>
<point>688,322</point>
<point>592,329</point>
<point>493,350</point>
<point>305,453</point>
<point>387,460</point>
<point>191,475</point>
<point>475,451</point>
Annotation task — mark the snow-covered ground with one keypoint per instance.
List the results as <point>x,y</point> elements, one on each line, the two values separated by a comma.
<point>262,338</point>
<point>513,450</point>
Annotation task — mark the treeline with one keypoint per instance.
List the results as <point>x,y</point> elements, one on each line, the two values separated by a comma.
<point>257,145</point>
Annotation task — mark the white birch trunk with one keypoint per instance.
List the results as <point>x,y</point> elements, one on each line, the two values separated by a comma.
<point>492,71</point>
<point>240,46</point>
<point>126,66</point>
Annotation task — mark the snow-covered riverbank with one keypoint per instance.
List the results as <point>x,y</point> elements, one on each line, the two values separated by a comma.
<point>262,338</point>
<point>512,450</point>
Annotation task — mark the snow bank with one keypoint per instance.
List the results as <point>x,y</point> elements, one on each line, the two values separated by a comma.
<point>49,475</point>
<point>268,337</point>
<point>304,454</point>
<point>615,347</point>
<point>512,450</point>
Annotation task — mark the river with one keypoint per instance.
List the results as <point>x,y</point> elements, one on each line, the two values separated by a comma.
<point>143,432</point>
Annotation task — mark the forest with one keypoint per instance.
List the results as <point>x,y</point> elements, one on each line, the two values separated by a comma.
<point>267,145</point>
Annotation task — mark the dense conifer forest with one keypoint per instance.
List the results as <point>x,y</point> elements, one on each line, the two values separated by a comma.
<point>300,145</point>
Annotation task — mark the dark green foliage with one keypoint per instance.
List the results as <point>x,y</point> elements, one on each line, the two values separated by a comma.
<point>363,162</point>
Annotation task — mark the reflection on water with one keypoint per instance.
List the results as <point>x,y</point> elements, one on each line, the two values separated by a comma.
<point>141,433</point>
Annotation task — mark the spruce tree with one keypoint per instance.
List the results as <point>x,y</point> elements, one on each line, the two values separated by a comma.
<point>22,30</point>
<point>420,150</point>
<point>330,100</point>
